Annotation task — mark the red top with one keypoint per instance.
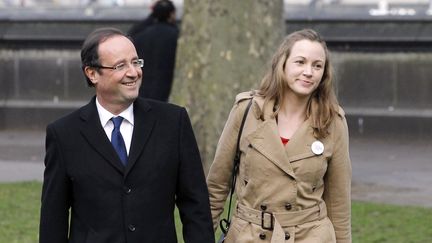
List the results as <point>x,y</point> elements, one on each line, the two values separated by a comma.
<point>284,140</point>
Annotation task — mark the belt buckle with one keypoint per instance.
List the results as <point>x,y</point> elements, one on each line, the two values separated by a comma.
<point>263,216</point>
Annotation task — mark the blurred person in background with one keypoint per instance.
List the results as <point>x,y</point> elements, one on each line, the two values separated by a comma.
<point>142,25</point>
<point>155,39</point>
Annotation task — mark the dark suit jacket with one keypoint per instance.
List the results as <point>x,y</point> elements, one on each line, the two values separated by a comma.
<point>157,45</point>
<point>112,203</point>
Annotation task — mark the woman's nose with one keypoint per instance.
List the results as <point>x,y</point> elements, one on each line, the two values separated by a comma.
<point>307,70</point>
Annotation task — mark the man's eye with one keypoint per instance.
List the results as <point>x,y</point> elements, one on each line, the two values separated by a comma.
<point>120,66</point>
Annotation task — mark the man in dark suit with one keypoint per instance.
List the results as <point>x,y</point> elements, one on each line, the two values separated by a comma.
<point>157,44</point>
<point>120,164</point>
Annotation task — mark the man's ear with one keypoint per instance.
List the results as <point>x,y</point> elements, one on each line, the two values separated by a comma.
<point>91,72</point>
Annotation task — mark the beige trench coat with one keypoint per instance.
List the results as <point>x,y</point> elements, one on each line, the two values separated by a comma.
<point>284,193</point>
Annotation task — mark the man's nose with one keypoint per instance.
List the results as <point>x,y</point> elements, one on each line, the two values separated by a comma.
<point>133,71</point>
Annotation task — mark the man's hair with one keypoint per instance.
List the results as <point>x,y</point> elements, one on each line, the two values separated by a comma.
<point>162,10</point>
<point>90,47</point>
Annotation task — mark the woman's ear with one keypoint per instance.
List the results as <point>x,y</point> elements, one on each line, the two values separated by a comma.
<point>91,72</point>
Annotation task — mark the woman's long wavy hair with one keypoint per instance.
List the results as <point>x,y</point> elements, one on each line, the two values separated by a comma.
<point>322,105</point>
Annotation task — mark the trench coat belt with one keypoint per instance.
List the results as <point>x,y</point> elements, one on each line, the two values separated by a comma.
<point>274,221</point>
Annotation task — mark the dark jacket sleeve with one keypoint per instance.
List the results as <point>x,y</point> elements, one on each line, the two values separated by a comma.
<point>55,194</point>
<point>192,194</point>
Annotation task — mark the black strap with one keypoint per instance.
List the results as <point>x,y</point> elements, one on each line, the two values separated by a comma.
<point>225,223</point>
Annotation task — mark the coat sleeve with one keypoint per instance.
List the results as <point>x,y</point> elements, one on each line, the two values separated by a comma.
<point>192,195</point>
<point>219,176</point>
<point>337,193</point>
<point>55,201</point>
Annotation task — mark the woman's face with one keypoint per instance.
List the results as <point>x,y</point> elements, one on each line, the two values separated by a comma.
<point>304,67</point>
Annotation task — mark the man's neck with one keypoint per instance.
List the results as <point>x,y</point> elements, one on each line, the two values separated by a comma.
<point>115,109</point>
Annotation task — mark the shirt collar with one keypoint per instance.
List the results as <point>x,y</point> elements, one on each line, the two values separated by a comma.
<point>105,115</point>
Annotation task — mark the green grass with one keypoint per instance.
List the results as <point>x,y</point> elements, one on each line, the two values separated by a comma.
<point>372,223</point>
<point>378,223</point>
<point>19,212</point>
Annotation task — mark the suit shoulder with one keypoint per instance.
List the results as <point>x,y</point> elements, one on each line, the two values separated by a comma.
<point>70,120</point>
<point>65,120</point>
<point>163,106</point>
<point>166,111</point>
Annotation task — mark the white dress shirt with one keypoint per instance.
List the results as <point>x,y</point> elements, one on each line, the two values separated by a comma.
<point>126,128</point>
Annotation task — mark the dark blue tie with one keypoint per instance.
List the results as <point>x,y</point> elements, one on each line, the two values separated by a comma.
<point>117,139</point>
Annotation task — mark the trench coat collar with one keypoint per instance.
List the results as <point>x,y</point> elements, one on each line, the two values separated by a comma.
<point>300,145</point>
<point>265,138</point>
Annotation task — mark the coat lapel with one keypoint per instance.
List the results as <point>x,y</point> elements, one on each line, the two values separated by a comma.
<point>299,146</point>
<point>144,122</point>
<point>265,139</point>
<point>93,132</point>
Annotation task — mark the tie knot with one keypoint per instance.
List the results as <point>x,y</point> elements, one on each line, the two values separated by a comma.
<point>117,121</point>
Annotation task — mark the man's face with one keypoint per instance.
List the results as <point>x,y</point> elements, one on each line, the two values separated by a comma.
<point>117,88</point>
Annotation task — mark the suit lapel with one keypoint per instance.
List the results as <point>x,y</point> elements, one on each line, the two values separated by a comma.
<point>265,139</point>
<point>92,130</point>
<point>144,122</point>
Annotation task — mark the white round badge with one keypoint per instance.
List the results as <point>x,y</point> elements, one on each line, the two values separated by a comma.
<point>317,147</point>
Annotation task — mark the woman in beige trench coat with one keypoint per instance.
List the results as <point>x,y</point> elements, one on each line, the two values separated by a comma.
<point>294,181</point>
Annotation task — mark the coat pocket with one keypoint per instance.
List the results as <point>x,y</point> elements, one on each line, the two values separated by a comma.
<point>325,231</point>
<point>309,168</point>
<point>235,230</point>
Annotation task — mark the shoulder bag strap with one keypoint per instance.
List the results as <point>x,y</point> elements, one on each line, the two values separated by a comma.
<point>227,221</point>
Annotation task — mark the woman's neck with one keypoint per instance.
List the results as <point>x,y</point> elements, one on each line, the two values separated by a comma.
<point>291,115</point>
<point>293,106</point>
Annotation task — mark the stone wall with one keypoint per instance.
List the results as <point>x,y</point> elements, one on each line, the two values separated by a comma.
<point>386,93</point>
<point>383,71</point>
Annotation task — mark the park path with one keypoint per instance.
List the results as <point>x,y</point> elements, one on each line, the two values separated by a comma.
<point>388,170</point>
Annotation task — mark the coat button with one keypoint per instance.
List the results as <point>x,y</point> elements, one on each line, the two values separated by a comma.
<point>263,207</point>
<point>262,236</point>
<point>127,190</point>
<point>288,206</point>
<point>314,188</point>
<point>131,228</point>
<point>287,236</point>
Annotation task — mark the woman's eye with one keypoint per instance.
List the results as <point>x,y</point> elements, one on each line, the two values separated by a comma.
<point>318,66</point>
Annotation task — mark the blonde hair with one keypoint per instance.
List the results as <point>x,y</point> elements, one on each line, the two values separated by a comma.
<point>322,105</point>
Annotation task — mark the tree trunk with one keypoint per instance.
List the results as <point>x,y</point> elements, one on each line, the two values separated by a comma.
<point>224,48</point>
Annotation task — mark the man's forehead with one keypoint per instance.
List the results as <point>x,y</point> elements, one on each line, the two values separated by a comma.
<point>116,46</point>
<point>115,40</point>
